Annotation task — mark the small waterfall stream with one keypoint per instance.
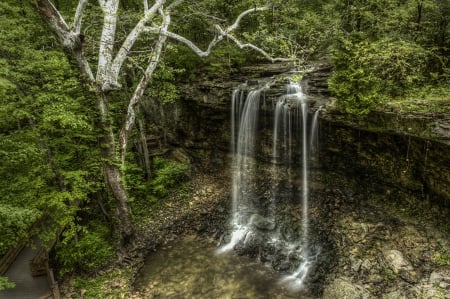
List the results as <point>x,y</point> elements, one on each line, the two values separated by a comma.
<point>245,112</point>
<point>294,145</point>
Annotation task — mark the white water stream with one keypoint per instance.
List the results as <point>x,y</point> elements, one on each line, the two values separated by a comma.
<point>291,116</point>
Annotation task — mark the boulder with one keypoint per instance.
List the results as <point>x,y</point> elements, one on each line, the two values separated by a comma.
<point>400,265</point>
<point>263,223</point>
<point>345,289</point>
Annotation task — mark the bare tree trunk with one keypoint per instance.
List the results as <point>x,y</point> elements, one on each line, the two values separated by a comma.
<point>113,177</point>
<point>72,44</point>
<point>145,153</point>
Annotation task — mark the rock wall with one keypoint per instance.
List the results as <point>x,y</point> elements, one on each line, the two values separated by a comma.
<point>395,153</point>
<point>377,182</point>
<point>406,151</point>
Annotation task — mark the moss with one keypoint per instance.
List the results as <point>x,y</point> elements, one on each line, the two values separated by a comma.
<point>389,276</point>
<point>425,99</point>
<point>442,258</point>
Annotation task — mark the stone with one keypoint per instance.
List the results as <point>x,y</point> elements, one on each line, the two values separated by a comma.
<point>343,288</point>
<point>262,223</point>
<point>436,278</point>
<point>356,264</point>
<point>444,285</point>
<point>366,265</point>
<point>375,278</point>
<point>400,265</point>
<point>432,294</point>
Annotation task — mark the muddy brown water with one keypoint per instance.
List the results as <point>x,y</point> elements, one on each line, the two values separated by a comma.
<point>192,268</point>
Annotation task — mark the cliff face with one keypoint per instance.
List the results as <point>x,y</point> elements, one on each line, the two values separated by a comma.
<point>410,152</point>
<point>402,150</point>
<point>379,191</point>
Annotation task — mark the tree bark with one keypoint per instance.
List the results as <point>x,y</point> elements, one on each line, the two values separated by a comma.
<point>113,176</point>
<point>144,145</point>
<point>72,44</point>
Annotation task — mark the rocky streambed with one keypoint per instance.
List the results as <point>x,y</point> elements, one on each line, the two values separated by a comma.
<point>371,247</point>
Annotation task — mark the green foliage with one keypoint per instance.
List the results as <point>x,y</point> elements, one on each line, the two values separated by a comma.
<point>389,277</point>
<point>169,175</point>
<point>427,98</point>
<point>163,86</point>
<point>6,284</point>
<point>367,73</point>
<point>291,29</point>
<point>47,141</point>
<point>386,49</point>
<point>84,248</point>
<point>14,224</point>
<point>442,258</point>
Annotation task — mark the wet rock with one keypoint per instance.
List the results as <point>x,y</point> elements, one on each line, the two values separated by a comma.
<point>263,223</point>
<point>400,265</point>
<point>251,245</point>
<point>342,288</point>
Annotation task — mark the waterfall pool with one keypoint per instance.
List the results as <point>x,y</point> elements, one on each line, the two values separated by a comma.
<point>192,268</point>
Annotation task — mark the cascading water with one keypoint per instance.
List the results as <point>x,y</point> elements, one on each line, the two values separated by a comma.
<point>294,143</point>
<point>308,149</point>
<point>245,113</point>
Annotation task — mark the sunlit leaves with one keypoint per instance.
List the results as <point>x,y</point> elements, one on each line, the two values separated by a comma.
<point>14,224</point>
<point>367,73</point>
<point>47,142</point>
<point>386,48</point>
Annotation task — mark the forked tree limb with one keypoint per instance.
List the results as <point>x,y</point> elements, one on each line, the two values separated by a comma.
<point>125,49</point>
<point>69,39</point>
<point>140,89</point>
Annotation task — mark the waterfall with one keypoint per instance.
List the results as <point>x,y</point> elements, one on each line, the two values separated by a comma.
<point>309,151</point>
<point>294,145</point>
<point>245,113</point>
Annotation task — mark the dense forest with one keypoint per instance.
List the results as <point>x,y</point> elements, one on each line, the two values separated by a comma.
<point>68,121</point>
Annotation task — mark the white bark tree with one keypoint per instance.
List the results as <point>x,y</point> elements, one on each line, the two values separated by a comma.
<point>110,61</point>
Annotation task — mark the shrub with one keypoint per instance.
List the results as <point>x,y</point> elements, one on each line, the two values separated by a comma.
<point>14,225</point>
<point>168,176</point>
<point>6,284</point>
<point>84,250</point>
<point>366,73</point>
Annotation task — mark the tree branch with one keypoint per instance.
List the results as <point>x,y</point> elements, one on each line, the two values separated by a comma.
<point>56,22</point>
<point>79,16</point>
<point>131,39</point>
<point>139,91</point>
<point>105,53</point>
<point>69,39</point>
<point>185,41</point>
<point>145,6</point>
<point>220,35</point>
<point>261,51</point>
<point>173,5</point>
<point>242,15</point>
